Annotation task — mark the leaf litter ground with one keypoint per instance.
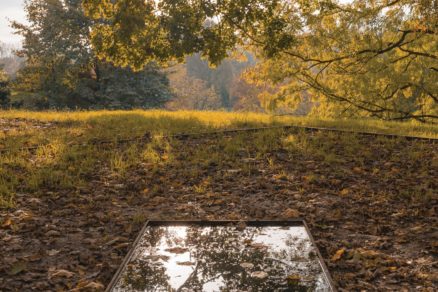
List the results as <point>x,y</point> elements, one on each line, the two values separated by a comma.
<point>371,204</point>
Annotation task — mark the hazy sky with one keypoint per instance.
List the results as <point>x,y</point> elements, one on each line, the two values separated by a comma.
<point>10,9</point>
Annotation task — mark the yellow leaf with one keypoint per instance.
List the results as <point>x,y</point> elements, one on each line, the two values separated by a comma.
<point>291,213</point>
<point>60,274</point>
<point>8,222</point>
<point>258,245</point>
<point>337,256</point>
<point>233,216</point>
<point>293,279</point>
<point>344,192</point>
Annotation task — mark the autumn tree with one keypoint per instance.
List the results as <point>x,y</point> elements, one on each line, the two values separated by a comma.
<point>62,69</point>
<point>220,77</point>
<point>191,93</point>
<point>367,58</point>
<point>246,96</point>
<point>363,58</point>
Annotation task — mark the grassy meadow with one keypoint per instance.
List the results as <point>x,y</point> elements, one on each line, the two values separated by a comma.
<point>60,163</point>
<point>127,123</point>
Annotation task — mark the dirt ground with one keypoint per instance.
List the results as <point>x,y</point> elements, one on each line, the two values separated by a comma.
<point>371,204</point>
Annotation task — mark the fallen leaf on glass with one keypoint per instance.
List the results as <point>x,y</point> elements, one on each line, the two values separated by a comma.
<point>293,279</point>
<point>156,258</point>
<point>185,263</point>
<point>177,250</point>
<point>258,246</point>
<point>259,275</point>
<point>247,265</point>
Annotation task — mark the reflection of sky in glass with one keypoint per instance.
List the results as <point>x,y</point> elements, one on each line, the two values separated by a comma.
<point>176,272</point>
<point>178,258</point>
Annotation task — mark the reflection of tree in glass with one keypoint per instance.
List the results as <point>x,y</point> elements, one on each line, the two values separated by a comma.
<point>146,273</point>
<point>223,253</point>
<point>224,258</point>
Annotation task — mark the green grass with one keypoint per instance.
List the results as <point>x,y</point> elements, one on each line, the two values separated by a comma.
<point>112,124</point>
<point>59,165</point>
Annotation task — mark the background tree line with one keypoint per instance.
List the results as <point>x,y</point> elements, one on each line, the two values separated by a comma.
<point>57,67</point>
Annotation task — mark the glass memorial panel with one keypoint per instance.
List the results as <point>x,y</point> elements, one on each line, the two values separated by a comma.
<point>223,257</point>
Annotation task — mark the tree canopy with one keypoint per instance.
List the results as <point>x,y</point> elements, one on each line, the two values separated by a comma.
<point>361,58</point>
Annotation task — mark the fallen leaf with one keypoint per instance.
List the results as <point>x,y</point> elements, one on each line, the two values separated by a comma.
<point>93,275</point>
<point>94,286</point>
<point>293,279</point>
<point>337,256</point>
<point>156,258</point>
<point>233,170</point>
<point>52,252</point>
<point>218,202</point>
<point>117,239</point>
<point>33,258</point>
<point>17,268</point>
<point>7,223</point>
<point>247,265</point>
<point>185,263</point>
<point>52,233</point>
<point>88,286</point>
<point>368,253</point>
<point>335,182</point>
<point>259,275</point>
<point>177,250</point>
<point>61,274</point>
<point>25,216</point>
<point>241,226</point>
<point>344,192</point>
<point>291,213</point>
<point>258,245</point>
<point>121,245</point>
